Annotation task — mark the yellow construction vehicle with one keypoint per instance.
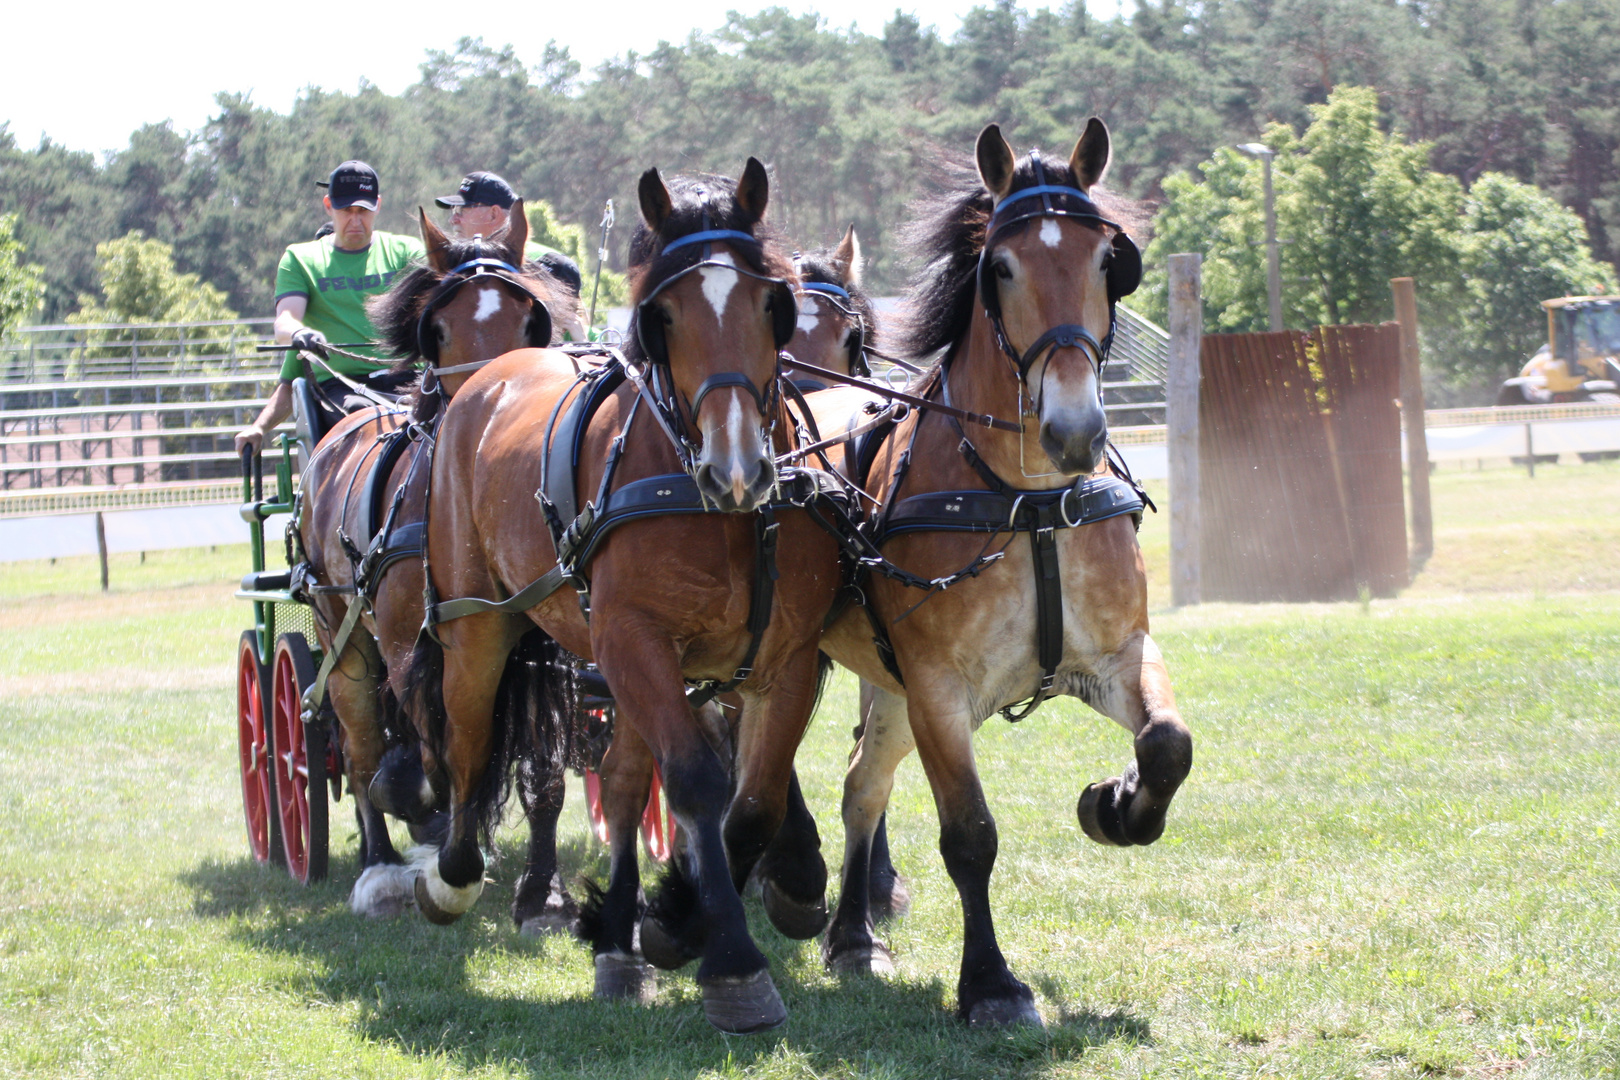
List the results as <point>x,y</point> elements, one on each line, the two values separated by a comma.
<point>1581,360</point>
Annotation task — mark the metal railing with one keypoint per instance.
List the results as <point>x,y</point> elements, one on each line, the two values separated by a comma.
<point>102,407</point>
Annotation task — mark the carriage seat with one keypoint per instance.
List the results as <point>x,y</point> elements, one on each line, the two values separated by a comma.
<point>313,415</point>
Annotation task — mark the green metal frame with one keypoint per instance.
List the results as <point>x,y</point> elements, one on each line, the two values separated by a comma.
<point>255,509</point>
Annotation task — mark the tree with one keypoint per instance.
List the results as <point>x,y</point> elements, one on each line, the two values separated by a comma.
<point>22,285</point>
<point>545,228</point>
<point>139,284</point>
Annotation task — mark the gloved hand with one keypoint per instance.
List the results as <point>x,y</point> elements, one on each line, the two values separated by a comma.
<point>310,341</point>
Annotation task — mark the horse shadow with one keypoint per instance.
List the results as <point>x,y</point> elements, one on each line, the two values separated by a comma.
<point>451,993</point>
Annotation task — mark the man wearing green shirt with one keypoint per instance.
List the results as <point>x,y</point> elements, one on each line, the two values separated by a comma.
<point>481,205</point>
<point>322,287</point>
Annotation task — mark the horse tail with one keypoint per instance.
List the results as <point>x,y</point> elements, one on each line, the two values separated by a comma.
<point>423,702</point>
<point>537,722</point>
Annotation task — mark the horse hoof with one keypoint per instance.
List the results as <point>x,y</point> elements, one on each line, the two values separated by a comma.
<point>424,903</point>
<point>1099,814</point>
<point>800,922</point>
<point>550,921</point>
<point>893,902</point>
<point>620,977</point>
<point>661,950</point>
<point>1005,1012</point>
<point>743,1004</point>
<point>874,959</point>
<point>381,892</point>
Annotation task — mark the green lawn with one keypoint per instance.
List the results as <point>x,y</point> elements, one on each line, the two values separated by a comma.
<point>1395,857</point>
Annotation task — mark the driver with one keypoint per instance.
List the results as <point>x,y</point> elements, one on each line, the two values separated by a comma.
<point>481,205</point>
<point>321,291</point>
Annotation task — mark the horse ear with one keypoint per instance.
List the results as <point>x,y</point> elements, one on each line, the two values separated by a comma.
<point>753,190</point>
<point>1090,158</point>
<point>655,201</point>
<point>434,240</point>
<point>848,257</point>
<point>517,233</point>
<point>995,160</point>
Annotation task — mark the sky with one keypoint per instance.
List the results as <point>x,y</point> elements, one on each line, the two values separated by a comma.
<point>99,70</point>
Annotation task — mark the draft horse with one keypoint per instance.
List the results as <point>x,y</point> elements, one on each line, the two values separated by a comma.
<point>1021,274</point>
<point>359,528</point>
<point>690,565</point>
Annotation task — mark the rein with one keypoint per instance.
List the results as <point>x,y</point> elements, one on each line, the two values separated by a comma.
<point>982,419</point>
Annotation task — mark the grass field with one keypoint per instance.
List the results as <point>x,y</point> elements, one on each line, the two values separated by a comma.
<point>1396,856</point>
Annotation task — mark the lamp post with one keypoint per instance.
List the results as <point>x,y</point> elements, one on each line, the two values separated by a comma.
<point>1273,251</point>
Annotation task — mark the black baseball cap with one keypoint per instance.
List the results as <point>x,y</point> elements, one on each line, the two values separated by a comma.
<point>480,189</point>
<point>353,183</point>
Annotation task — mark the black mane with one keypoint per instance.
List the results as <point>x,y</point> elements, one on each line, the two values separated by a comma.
<point>699,202</point>
<point>396,312</point>
<point>822,265</point>
<point>946,234</point>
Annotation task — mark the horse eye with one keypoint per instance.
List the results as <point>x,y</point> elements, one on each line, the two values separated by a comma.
<point>443,332</point>
<point>1003,271</point>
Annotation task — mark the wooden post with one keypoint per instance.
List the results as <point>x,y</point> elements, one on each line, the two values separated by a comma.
<point>101,548</point>
<point>1417,441</point>
<point>1181,423</point>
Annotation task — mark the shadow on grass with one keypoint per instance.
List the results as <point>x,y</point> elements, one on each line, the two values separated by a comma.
<point>425,990</point>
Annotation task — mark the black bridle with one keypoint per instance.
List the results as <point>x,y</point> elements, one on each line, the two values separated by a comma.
<point>660,380</point>
<point>1123,270</point>
<point>479,269</point>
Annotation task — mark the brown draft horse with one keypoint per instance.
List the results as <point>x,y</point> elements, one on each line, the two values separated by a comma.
<point>669,595</point>
<point>1045,265</point>
<point>460,318</point>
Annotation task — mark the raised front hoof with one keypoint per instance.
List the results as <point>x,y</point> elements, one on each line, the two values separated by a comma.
<point>661,949</point>
<point>743,1004</point>
<point>1018,1011</point>
<point>869,958</point>
<point>793,919</point>
<point>1101,815</point>
<point>424,903</point>
<point>621,977</point>
<point>889,899</point>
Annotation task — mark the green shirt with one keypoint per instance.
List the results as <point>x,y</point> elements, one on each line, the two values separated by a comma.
<point>337,285</point>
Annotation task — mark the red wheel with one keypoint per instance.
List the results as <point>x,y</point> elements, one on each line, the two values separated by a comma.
<point>300,765</point>
<point>254,754</point>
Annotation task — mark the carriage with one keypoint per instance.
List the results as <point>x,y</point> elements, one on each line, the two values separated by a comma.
<point>288,756</point>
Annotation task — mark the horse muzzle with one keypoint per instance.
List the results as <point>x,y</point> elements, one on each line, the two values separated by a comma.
<point>1075,441</point>
<point>738,484</point>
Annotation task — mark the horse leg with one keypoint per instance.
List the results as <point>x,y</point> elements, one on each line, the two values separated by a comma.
<point>738,995</point>
<point>768,826</point>
<point>354,688</point>
<point>607,920</point>
<point>889,896</point>
<point>987,992</point>
<point>542,905</point>
<point>1130,808</point>
<point>474,657</point>
<point>852,945</point>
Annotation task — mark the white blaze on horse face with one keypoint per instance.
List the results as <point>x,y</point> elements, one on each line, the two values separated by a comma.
<point>734,437</point>
<point>489,302</point>
<point>1051,235</point>
<point>808,318</point>
<point>718,284</point>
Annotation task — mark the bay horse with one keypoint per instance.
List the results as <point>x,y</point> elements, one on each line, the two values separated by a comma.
<point>468,302</point>
<point>693,415</point>
<point>1020,274</point>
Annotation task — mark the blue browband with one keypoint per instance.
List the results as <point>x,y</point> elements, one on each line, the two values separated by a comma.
<point>1087,209</point>
<point>822,287</point>
<point>493,264</point>
<point>706,236</point>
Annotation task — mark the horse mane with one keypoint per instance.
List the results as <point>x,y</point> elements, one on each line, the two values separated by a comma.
<point>699,201</point>
<point>821,265</point>
<point>946,235</point>
<point>395,313</point>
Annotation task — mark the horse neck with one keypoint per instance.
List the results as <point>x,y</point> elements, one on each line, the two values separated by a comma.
<point>982,380</point>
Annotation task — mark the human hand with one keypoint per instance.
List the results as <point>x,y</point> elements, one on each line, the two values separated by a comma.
<point>307,340</point>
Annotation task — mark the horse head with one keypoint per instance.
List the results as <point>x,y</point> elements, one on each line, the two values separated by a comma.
<point>835,317</point>
<point>712,309</point>
<point>472,301</point>
<point>1049,273</point>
